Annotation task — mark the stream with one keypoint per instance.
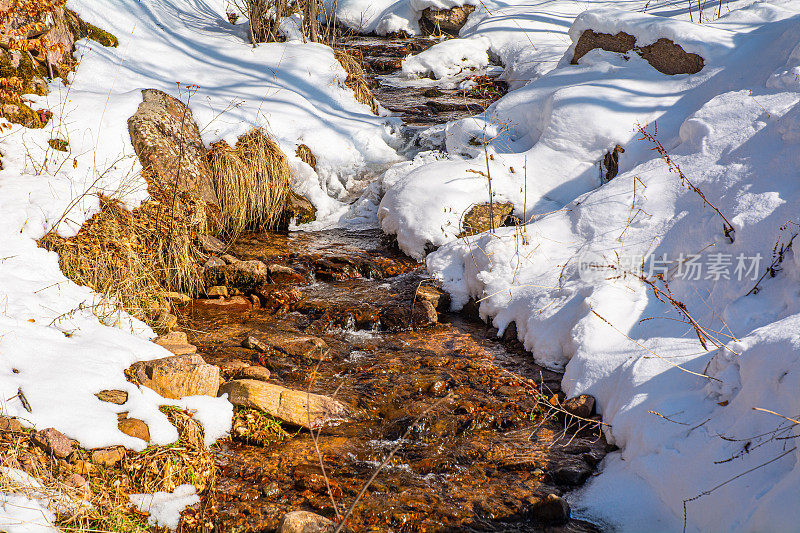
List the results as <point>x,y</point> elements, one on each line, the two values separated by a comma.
<point>476,447</point>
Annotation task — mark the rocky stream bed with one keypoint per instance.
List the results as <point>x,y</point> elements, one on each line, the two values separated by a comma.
<point>478,440</point>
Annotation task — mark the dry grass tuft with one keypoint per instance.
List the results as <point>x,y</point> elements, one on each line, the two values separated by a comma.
<point>251,181</point>
<point>162,468</point>
<point>132,257</point>
<point>356,78</point>
<point>257,428</point>
<point>306,156</point>
<point>100,505</point>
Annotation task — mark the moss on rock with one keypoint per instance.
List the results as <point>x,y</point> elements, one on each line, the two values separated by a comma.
<point>20,113</point>
<point>82,29</point>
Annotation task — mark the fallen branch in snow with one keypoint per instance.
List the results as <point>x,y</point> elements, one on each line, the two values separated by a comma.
<point>727,227</point>
<point>778,255</point>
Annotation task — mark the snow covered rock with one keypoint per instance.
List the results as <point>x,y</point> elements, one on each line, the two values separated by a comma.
<point>664,54</point>
<point>450,21</point>
<point>167,140</point>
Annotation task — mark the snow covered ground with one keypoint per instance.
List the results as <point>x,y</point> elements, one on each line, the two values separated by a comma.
<point>706,429</point>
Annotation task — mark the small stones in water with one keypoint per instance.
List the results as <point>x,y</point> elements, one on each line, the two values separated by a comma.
<point>439,299</point>
<point>272,297</point>
<point>55,442</point>
<point>113,396</point>
<point>133,427</point>
<point>581,406</point>
<point>551,510</point>
<point>252,343</point>
<point>405,317</point>
<point>178,298</point>
<point>305,522</point>
<point>253,372</point>
<point>303,346</point>
<point>235,304</point>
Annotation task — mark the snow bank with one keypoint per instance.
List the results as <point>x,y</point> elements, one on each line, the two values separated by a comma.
<point>165,508</point>
<point>695,422</point>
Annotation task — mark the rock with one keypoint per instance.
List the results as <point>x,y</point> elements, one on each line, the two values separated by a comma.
<point>217,291</point>
<point>664,55</point>
<point>234,304</point>
<point>284,274</point>
<point>290,344</point>
<point>305,522</point>
<point>9,424</point>
<point>133,427</point>
<point>75,480</point>
<point>113,396</point>
<point>213,262</point>
<point>252,343</point>
<point>165,321</point>
<point>55,442</point>
<point>167,141</point>
<point>450,21</point>
<point>211,244</point>
<point>178,298</point>
<point>176,376</point>
<point>294,406</point>
<point>177,343</point>
<point>479,217</point>
<point>406,317</point>
<point>258,373</point>
<point>581,406</point>
<point>82,468</point>
<point>228,259</point>
<point>242,275</point>
<point>272,297</point>
<point>551,510</point>
<point>439,299</point>
<point>574,473</point>
<point>108,456</point>
<point>298,208</point>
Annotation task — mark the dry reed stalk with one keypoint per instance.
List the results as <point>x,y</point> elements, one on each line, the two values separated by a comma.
<point>133,257</point>
<point>356,78</point>
<point>251,181</point>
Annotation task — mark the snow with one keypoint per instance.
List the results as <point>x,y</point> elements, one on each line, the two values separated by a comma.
<point>699,426</point>
<point>165,508</point>
<point>27,507</point>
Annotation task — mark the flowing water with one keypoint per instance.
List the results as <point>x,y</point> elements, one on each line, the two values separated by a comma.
<point>462,409</point>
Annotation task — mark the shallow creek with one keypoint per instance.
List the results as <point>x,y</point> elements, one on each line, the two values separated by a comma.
<point>461,407</point>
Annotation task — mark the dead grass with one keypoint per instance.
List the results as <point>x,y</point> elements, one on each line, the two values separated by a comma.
<point>306,156</point>
<point>133,257</point>
<point>100,505</point>
<point>251,181</point>
<point>163,468</point>
<point>356,78</point>
<point>257,428</point>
